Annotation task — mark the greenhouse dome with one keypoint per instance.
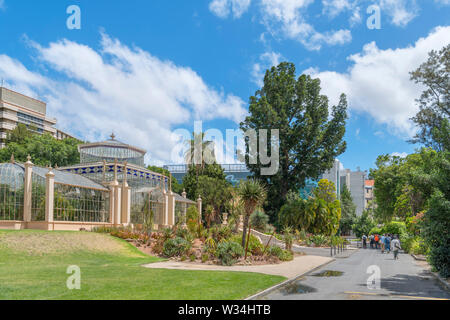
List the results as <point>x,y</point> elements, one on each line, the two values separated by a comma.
<point>111,150</point>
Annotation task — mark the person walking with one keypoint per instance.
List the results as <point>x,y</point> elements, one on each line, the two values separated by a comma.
<point>376,240</point>
<point>371,241</point>
<point>388,243</point>
<point>364,241</point>
<point>382,243</point>
<point>395,247</point>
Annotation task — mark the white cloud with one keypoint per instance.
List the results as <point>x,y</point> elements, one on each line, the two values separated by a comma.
<point>266,61</point>
<point>398,154</point>
<point>401,11</point>
<point>287,17</point>
<point>223,8</point>
<point>139,96</point>
<point>378,81</point>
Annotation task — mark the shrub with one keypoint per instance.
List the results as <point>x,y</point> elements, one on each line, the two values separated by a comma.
<point>394,227</point>
<point>288,238</point>
<point>192,257</point>
<point>283,255</point>
<point>375,230</point>
<point>318,240</point>
<point>259,220</point>
<point>220,233</point>
<point>176,247</point>
<point>228,252</point>
<point>254,245</point>
<point>205,257</point>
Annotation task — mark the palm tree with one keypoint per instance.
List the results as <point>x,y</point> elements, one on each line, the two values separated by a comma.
<point>253,194</point>
<point>207,149</point>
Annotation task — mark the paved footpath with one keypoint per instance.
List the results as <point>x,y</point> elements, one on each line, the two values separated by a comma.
<point>404,279</point>
<point>300,265</point>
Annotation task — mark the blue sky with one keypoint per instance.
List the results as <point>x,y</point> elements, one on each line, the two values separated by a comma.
<point>145,68</point>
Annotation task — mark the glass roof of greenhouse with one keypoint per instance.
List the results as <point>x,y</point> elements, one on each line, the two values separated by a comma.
<point>67,178</point>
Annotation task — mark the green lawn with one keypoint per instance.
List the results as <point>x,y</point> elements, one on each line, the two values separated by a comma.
<point>33,265</point>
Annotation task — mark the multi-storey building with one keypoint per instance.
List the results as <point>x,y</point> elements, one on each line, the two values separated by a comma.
<point>355,182</point>
<point>17,108</point>
<point>369,194</point>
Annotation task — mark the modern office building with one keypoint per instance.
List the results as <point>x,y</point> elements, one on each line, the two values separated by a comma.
<point>334,175</point>
<point>355,182</point>
<point>17,108</point>
<point>233,172</point>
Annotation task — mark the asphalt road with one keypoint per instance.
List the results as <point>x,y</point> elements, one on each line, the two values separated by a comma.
<point>404,279</point>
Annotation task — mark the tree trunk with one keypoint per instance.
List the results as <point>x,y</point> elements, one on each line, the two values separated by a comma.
<point>244,231</point>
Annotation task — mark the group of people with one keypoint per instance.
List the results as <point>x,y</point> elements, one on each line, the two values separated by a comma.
<point>385,242</point>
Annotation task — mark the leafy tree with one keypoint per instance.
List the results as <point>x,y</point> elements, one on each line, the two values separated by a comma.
<point>19,134</point>
<point>253,194</point>
<point>388,185</point>
<point>43,149</point>
<point>348,211</point>
<point>176,186</point>
<point>327,209</point>
<point>435,232</point>
<point>215,194</point>
<point>434,103</point>
<point>295,214</point>
<point>310,139</point>
<point>363,224</point>
<point>191,179</point>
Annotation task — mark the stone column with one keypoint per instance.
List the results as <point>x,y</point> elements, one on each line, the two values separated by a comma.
<point>225,218</point>
<point>117,197</point>
<point>184,208</point>
<point>166,208</point>
<point>126,199</point>
<point>199,208</point>
<point>171,209</point>
<point>28,186</point>
<point>49,195</point>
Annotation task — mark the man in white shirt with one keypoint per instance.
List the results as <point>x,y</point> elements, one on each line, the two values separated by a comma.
<point>395,244</point>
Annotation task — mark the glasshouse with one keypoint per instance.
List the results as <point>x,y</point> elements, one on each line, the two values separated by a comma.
<point>110,187</point>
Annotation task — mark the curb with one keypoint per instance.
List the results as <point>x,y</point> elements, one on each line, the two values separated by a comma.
<point>444,284</point>
<point>268,290</point>
<point>417,258</point>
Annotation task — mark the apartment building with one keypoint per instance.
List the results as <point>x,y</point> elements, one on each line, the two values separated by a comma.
<point>17,108</point>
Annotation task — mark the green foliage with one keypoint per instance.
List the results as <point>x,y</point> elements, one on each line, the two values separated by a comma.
<point>176,247</point>
<point>348,212</point>
<point>394,227</point>
<point>375,230</point>
<point>259,220</point>
<point>288,238</point>
<point>326,208</point>
<point>176,186</point>
<point>435,232</point>
<point>434,114</point>
<point>43,149</point>
<point>310,137</point>
<point>228,252</point>
<point>283,255</point>
<point>318,240</point>
<point>255,247</point>
<point>220,233</point>
<point>253,194</point>
<point>191,179</point>
<point>215,194</point>
<point>295,214</point>
<point>363,225</point>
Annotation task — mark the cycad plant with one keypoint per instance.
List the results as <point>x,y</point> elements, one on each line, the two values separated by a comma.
<point>253,194</point>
